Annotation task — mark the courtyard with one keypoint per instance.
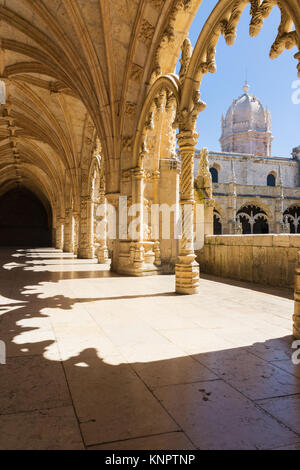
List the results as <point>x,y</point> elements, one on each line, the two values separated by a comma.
<point>96,360</point>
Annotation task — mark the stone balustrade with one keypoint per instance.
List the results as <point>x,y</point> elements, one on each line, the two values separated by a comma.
<point>263,259</point>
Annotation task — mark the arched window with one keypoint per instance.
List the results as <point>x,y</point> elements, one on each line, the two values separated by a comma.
<point>292,217</point>
<point>217,223</point>
<point>253,220</point>
<point>214,175</point>
<point>271,181</point>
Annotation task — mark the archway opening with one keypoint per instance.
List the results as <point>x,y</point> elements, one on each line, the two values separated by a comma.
<point>217,223</point>
<point>253,219</point>
<point>292,217</point>
<point>233,66</point>
<point>24,220</point>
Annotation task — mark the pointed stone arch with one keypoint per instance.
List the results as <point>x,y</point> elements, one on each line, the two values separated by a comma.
<point>223,20</point>
<point>253,218</point>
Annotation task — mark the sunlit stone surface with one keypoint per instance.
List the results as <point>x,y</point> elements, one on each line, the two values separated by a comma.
<point>95,360</point>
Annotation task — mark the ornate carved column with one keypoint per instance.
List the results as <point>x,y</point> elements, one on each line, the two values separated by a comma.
<point>90,227</point>
<point>60,233</point>
<point>169,195</point>
<point>155,179</point>
<point>69,231</point>
<point>76,219</point>
<point>86,229</point>
<point>203,186</point>
<point>209,205</point>
<point>296,317</point>
<point>157,129</point>
<point>169,167</point>
<point>280,226</point>
<point>101,239</point>
<point>187,269</point>
<point>233,224</point>
<point>135,255</point>
<point>136,248</point>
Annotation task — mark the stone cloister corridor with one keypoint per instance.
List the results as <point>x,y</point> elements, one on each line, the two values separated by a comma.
<point>114,338</point>
<point>97,361</point>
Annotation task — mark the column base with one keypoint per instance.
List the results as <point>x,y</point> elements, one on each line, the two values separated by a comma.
<point>69,249</point>
<point>102,256</point>
<point>135,259</point>
<point>187,278</point>
<point>139,271</point>
<point>86,253</point>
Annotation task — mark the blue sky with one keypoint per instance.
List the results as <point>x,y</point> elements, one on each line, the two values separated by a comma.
<point>270,80</point>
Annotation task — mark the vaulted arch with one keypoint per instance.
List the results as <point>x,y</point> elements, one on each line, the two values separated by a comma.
<point>223,20</point>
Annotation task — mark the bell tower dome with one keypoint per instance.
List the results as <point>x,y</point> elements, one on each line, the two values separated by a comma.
<point>246,127</point>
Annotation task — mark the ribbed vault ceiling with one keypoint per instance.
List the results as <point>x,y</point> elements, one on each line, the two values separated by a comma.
<point>80,69</point>
<point>68,68</point>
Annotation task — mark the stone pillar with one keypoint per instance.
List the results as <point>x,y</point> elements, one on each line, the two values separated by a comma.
<point>59,244</point>
<point>169,194</point>
<point>76,219</point>
<point>204,195</point>
<point>68,232</point>
<point>279,226</point>
<point>135,256</point>
<point>187,269</point>
<point>232,207</point>
<point>166,189</point>
<point>91,250</point>
<point>86,229</point>
<point>296,317</point>
<point>101,241</point>
<point>113,242</point>
<point>137,249</point>
<point>209,216</point>
<point>156,248</point>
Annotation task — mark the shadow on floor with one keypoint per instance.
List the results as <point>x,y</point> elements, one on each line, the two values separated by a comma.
<point>233,398</point>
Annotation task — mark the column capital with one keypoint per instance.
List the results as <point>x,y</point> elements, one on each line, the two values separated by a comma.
<point>187,139</point>
<point>138,173</point>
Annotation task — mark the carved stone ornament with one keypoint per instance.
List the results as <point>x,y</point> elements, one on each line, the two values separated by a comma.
<point>136,73</point>
<point>157,4</point>
<point>146,32</point>
<point>186,54</point>
<point>127,143</point>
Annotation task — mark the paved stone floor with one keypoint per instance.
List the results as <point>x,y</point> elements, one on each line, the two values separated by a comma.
<point>101,361</point>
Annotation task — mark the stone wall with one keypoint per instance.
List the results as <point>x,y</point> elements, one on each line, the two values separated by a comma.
<point>252,170</point>
<point>263,259</point>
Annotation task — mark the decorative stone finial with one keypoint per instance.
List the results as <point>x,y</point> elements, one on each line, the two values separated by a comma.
<point>203,163</point>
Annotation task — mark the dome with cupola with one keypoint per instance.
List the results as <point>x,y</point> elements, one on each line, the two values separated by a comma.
<point>246,127</point>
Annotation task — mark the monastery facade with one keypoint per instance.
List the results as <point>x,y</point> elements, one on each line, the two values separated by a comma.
<point>253,192</point>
